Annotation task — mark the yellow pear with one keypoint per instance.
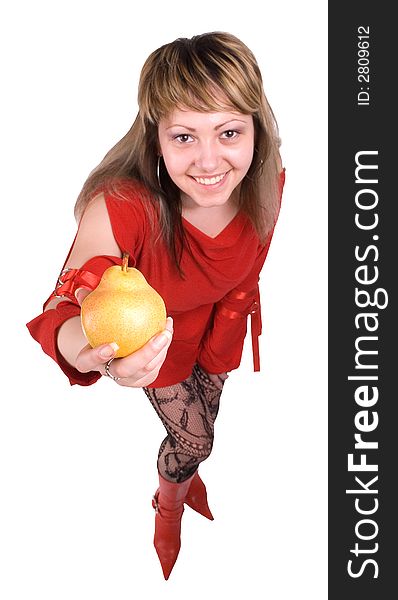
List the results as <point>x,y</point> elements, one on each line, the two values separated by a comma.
<point>124,309</point>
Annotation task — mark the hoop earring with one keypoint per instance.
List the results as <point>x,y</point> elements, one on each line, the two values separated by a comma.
<point>257,172</point>
<point>158,171</point>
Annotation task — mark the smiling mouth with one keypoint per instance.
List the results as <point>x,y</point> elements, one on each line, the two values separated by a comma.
<point>210,180</point>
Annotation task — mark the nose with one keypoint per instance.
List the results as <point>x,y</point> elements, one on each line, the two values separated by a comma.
<point>208,157</point>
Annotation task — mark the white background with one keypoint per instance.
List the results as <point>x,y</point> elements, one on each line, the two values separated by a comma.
<point>78,465</point>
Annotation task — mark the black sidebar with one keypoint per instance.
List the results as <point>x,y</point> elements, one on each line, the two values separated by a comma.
<point>363,332</point>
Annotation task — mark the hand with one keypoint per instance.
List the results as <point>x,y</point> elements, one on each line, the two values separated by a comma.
<point>138,369</point>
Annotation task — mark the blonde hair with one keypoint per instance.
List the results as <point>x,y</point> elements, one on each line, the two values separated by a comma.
<point>209,72</point>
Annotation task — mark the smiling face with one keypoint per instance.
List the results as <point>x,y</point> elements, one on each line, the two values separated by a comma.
<point>207,154</point>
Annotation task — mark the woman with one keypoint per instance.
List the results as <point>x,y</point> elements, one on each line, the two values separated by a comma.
<point>192,194</point>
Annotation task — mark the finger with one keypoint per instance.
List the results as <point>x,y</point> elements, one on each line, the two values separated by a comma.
<point>90,359</point>
<point>146,380</point>
<point>148,374</point>
<point>134,365</point>
<point>157,362</point>
<point>169,324</point>
<point>151,370</point>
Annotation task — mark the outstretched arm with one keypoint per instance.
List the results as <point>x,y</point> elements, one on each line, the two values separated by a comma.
<point>58,329</point>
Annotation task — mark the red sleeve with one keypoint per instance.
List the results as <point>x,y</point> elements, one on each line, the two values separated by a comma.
<point>221,349</point>
<point>44,328</point>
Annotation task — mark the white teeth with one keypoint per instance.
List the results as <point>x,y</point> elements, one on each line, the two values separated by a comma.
<point>211,180</point>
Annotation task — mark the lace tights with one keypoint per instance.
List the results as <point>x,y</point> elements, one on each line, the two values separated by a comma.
<point>188,411</point>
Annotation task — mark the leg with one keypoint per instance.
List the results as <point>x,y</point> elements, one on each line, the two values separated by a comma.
<point>188,411</point>
<point>196,497</point>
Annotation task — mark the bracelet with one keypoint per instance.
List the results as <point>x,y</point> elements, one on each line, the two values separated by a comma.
<point>107,371</point>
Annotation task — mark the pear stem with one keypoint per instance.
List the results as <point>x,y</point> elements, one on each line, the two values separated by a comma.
<point>125,262</point>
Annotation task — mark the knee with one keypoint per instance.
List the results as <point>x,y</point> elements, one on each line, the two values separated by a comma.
<point>206,449</point>
<point>198,452</point>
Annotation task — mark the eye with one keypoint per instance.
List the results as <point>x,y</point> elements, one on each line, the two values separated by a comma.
<point>230,134</point>
<point>183,138</point>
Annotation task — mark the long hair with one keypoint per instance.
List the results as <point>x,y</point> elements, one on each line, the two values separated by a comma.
<point>209,72</point>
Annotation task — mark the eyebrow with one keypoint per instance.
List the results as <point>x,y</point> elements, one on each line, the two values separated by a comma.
<point>215,128</point>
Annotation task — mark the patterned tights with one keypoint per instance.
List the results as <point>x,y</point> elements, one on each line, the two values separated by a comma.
<point>188,411</point>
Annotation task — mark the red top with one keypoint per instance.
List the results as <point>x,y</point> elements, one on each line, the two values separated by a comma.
<point>209,307</point>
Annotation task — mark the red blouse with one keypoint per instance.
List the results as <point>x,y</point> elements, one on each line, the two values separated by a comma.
<point>209,307</point>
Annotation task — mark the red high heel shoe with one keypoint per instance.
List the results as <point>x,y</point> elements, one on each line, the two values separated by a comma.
<point>196,497</point>
<point>168,503</point>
